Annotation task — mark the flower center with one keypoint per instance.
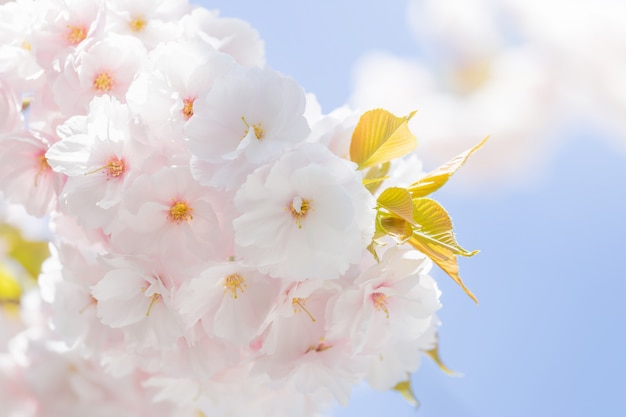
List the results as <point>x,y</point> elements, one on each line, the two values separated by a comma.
<point>137,24</point>
<point>380,302</point>
<point>42,166</point>
<point>299,208</point>
<point>259,133</point>
<point>234,283</point>
<point>115,167</point>
<point>103,83</point>
<point>188,108</point>
<point>75,34</point>
<point>180,211</point>
<point>298,305</point>
<point>26,45</point>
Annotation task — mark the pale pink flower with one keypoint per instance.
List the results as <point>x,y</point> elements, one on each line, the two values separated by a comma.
<point>99,155</point>
<point>168,214</point>
<point>101,66</point>
<point>135,296</point>
<point>173,77</point>
<point>305,216</point>
<point>230,300</point>
<point>18,63</point>
<point>25,176</point>
<point>151,21</point>
<point>222,397</point>
<point>66,25</point>
<point>233,36</point>
<point>295,346</point>
<point>394,361</point>
<point>391,301</point>
<point>248,117</point>
<point>65,283</point>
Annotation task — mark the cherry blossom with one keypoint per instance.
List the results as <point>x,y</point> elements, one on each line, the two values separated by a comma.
<point>210,234</point>
<point>294,212</point>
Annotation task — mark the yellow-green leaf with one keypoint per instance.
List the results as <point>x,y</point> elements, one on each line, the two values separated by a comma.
<point>30,254</point>
<point>406,390</point>
<point>434,236</point>
<point>380,137</point>
<point>434,355</point>
<point>397,201</point>
<point>394,226</point>
<point>437,178</point>
<point>371,248</point>
<point>375,176</point>
<point>10,289</point>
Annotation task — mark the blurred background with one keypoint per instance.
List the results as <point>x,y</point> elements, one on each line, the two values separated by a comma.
<point>544,200</point>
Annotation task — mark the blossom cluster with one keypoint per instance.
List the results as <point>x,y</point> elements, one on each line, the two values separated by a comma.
<point>212,245</point>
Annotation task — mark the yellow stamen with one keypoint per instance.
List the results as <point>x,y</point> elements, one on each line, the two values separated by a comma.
<point>180,211</point>
<point>321,346</point>
<point>188,108</point>
<point>155,298</point>
<point>103,83</point>
<point>234,283</point>
<point>258,129</point>
<point>137,24</point>
<point>114,168</point>
<point>380,302</point>
<point>26,102</point>
<point>75,34</point>
<point>298,305</point>
<point>26,45</point>
<point>299,208</point>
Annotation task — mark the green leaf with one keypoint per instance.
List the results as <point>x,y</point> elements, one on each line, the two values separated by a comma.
<point>437,178</point>
<point>380,137</point>
<point>406,390</point>
<point>434,236</point>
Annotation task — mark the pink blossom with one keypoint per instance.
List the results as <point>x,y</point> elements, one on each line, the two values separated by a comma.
<point>305,216</point>
<point>25,175</point>
<point>102,66</point>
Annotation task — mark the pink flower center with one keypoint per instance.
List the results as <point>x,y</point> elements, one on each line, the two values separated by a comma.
<point>180,211</point>
<point>42,166</point>
<point>103,83</point>
<point>234,283</point>
<point>75,34</point>
<point>380,302</point>
<point>115,167</point>
<point>259,133</point>
<point>188,108</point>
<point>137,24</point>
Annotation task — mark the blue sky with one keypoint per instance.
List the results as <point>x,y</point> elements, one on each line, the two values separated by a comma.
<point>547,338</point>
